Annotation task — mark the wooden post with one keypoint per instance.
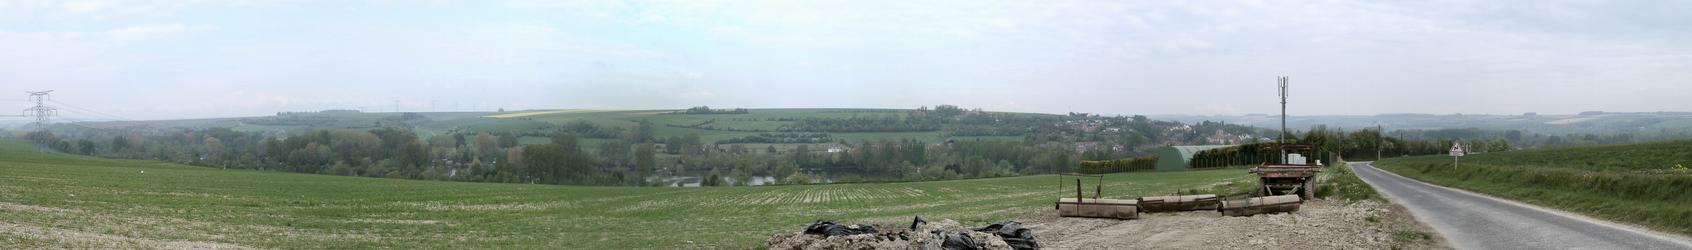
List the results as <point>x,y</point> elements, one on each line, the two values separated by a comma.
<point>1078,190</point>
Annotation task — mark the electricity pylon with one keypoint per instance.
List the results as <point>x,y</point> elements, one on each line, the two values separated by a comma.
<point>41,111</point>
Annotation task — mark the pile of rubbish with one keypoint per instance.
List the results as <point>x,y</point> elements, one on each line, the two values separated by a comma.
<point>942,235</point>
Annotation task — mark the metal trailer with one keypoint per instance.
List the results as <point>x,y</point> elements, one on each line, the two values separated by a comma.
<point>1284,178</point>
<point>1279,180</point>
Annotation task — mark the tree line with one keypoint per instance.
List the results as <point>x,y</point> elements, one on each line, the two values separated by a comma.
<point>1119,165</point>
<point>1330,145</point>
<point>706,110</point>
<point>391,152</point>
<point>384,152</point>
<point>811,138</point>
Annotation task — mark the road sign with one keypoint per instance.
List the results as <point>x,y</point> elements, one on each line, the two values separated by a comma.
<point>1456,152</point>
<point>1457,149</point>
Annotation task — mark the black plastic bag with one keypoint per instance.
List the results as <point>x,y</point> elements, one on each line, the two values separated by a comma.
<point>1018,237</point>
<point>829,228</point>
<point>953,241</point>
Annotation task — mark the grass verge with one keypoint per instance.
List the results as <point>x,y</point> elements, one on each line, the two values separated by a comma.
<point>1339,182</point>
<point>1644,194</point>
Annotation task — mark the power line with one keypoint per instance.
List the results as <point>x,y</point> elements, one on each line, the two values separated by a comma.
<point>96,113</point>
<point>77,122</point>
<point>87,117</point>
<point>72,120</point>
<point>90,111</point>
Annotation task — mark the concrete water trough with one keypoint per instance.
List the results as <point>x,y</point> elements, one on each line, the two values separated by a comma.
<point>1098,208</point>
<point>1095,207</point>
<point>1156,204</point>
<point>1261,205</point>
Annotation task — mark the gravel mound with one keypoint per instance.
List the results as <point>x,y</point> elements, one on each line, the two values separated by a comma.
<point>1320,224</point>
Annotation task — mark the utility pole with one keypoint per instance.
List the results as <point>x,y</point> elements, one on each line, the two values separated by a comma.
<point>1380,136</point>
<point>41,111</point>
<point>1283,83</point>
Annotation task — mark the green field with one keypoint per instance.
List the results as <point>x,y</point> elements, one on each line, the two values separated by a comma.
<point>65,201</point>
<point>1644,183</point>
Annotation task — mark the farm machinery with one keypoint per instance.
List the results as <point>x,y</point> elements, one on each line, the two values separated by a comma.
<point>1285,177</point>
<point>1284,184</point>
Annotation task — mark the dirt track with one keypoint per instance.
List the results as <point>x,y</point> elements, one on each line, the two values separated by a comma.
<point>1318,225</point>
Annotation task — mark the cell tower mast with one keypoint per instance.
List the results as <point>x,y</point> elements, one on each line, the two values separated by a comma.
<point>1283,83</point>
<point>41,111</point>
<point>1380,138</point>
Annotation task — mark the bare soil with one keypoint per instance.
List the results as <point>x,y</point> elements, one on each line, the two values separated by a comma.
<point>78,239</point>
<point>1319,224</point>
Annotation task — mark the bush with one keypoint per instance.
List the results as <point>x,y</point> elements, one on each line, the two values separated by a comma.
<point>1116,166</point>
<point>797,178</point>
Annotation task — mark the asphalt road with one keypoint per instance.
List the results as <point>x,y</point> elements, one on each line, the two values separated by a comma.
<point>1473,221</point>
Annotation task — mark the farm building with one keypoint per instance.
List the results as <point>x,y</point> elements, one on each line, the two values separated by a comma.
<point>1180,157</point>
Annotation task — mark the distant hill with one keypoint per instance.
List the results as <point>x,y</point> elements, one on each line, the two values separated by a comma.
<point>710,127</point>
<point>13,123</point>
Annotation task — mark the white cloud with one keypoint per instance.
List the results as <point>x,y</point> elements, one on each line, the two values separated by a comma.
<point>84,6</point>
<point>133,33</point>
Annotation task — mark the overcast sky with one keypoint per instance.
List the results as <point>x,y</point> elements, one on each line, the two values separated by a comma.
<point>186,59</point>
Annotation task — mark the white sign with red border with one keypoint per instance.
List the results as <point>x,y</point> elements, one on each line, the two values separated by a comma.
<point>1457,149</point>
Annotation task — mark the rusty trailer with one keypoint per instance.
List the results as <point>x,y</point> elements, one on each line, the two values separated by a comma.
<point>1284,178</point>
